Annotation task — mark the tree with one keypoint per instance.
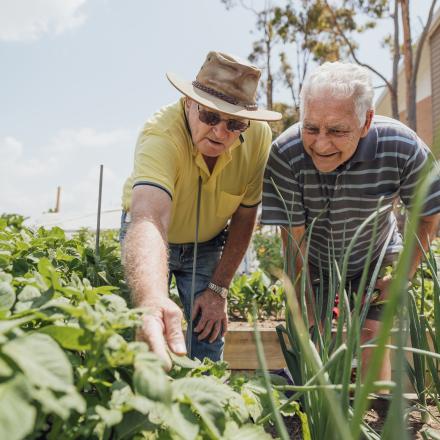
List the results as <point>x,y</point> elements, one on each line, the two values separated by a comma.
<point>308,31</point>
<point>302,27</point>
<point>303,30</point>
<point>373,10</point>
<point>262,51</point>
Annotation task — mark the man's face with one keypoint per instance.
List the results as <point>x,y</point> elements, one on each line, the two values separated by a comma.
<point>210,140</point>
<point>331,132</point>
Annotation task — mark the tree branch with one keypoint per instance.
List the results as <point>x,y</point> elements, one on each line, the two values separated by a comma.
<point>351,48</point>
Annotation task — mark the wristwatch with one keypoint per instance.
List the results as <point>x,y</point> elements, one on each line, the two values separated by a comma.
<point>222,291</point>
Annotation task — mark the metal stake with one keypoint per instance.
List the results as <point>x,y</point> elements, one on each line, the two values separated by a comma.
<point>98,223</point>
<point>193,282</point>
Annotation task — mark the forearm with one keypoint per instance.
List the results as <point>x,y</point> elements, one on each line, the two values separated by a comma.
<point>240,233</point>
<point>426,233</point>
<point>146,261</point>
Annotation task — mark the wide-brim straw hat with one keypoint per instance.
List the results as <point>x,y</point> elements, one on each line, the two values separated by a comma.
<point>226,84</point>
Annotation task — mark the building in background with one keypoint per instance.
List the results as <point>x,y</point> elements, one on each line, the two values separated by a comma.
<point>428,90</point>
<point>73,222</point>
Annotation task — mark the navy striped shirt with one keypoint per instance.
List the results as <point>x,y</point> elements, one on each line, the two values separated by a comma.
<point>385,165</point>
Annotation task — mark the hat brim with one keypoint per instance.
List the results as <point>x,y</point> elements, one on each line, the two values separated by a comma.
<point>218,104</point>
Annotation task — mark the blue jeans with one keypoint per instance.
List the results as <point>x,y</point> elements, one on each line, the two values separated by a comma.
<point>181,257</point>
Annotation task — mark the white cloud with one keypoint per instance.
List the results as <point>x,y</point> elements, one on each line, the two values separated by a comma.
<point>24,20</point>
<point>69,140</point>
<point>10,150</point>
<point>29,174</point>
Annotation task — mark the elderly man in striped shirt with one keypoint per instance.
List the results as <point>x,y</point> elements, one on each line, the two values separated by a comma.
<point>333,167</point>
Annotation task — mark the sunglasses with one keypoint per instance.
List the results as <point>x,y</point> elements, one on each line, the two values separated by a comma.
<point>213,118</point>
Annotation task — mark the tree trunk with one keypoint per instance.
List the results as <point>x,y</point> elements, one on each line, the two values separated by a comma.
<point>408,60</point>
<point>396,57</point>
<point>269,83</point>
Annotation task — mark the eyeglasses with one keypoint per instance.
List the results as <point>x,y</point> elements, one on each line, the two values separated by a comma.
<point>213,118</point>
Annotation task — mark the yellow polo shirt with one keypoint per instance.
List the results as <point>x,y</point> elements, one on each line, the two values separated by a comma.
<point>166,157</point>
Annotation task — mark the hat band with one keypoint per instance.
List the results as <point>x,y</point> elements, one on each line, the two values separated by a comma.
<point>223,97</point>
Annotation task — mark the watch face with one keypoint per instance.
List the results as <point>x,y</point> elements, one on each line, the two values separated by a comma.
<point>224,293</point>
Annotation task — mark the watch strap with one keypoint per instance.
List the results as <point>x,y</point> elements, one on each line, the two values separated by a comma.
<point>222,291</point>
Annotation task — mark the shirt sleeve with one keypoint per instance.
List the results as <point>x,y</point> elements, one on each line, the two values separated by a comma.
<point>156,162</point>
<point>282,195</point>
<point>410,178</point>
<point>252,196</point>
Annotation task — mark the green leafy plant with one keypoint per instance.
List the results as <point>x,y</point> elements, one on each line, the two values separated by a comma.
<point>268,249</point>
<point>69,365</point>
<point>259,288</point>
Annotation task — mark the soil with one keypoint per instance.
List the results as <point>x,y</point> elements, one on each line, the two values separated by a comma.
<point>375,417</point>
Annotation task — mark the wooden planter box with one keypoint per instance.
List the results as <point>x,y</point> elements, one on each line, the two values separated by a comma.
<point>241,353</point>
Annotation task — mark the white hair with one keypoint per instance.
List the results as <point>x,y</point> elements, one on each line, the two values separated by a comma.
<point>341,80</point>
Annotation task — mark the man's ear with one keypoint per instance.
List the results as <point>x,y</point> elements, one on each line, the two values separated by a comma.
<point>368,121</point>
<point>188,102</point>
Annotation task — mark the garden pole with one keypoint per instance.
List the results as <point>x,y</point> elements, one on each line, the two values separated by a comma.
<point>193,282</point>
<point>98,222</point>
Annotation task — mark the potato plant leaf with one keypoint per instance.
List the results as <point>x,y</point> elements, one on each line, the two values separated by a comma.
<point>42,361</point>
<point>150,383</point>
<point>17,415</point>
<point>70,338</point>
<point>7,296</point>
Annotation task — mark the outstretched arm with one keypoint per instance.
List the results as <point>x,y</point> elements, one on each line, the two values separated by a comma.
<point>146,267</point>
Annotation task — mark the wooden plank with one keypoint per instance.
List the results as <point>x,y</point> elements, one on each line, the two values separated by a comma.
<point>241,352</point>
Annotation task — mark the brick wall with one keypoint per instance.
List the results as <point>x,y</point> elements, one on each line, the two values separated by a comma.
<point>424,119</point>
<point>435,87</point>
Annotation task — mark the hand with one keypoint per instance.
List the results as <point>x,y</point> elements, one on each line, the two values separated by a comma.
<point>383,285</point>
<point>214,317</point>
<point>162,326</point>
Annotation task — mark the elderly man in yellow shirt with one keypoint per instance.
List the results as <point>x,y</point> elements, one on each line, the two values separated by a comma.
<point>190,204</point>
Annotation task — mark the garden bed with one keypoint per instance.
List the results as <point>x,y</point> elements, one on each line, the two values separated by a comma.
<point>241,352</point>
<point>375,417</point>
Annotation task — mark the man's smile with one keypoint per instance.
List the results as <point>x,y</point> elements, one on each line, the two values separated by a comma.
<point>326,155</point>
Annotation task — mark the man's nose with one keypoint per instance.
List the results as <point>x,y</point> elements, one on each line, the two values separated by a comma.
<point>322,142</point>
<point>220,130</point>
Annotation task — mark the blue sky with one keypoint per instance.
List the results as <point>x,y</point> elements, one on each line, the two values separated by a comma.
<point>80,77</point>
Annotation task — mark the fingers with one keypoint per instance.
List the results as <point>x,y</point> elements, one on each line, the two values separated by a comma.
<point>201,324</point>
<point>152,332</point>
<point>162,328</point>
<point>206,330</point>
<point>212,321</point>
<point>172,317</point>
<point>224,325</point>
<point>216,329</point>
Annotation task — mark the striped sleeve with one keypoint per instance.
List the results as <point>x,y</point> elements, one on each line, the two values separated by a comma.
<point>410,177</point>
<point>282,197</point>
<point>252,196</point>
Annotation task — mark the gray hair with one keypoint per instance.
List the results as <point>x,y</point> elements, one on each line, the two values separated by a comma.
<point>341,80</point>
